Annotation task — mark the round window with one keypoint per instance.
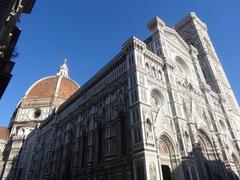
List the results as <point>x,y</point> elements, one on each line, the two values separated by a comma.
<point>36,113</point>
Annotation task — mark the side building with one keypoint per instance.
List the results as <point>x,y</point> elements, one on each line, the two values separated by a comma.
<point>10,12</point>
<point>161,109</point>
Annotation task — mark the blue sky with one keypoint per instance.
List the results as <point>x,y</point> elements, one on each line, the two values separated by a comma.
<point>90,33</point>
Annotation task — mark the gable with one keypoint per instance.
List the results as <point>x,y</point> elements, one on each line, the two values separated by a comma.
<point>176,40</point>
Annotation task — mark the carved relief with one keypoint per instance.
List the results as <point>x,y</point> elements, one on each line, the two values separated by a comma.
<point>152,171</point>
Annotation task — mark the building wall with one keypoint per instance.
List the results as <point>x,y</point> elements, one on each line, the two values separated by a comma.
<point>10,12</point>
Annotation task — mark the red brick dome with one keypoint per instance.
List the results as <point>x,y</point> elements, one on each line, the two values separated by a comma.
<point>59,86</point>
<point>4,133</point>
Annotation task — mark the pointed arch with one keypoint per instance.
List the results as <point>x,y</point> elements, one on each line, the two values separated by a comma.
<point>182,67</point>
<point>147,68</point>
<point>168,142</point>
<point>205,142</point>
<point>167,155</point>
<point>206,154</point>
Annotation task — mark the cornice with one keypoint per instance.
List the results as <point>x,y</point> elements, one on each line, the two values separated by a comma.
<point>150,55</point>
<point>189,18</point>
<point>133,43</point>
<point>120,58</point>
<point>156,24</point>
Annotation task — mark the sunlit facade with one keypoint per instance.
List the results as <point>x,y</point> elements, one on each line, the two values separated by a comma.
<point>162,109</point>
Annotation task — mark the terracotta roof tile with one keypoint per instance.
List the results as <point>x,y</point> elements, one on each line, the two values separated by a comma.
<point>47,87</point>
<point>44,88</point>
<point>67,88</point>
<point>4,133</point>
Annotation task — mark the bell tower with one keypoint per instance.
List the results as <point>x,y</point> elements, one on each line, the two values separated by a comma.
<point>194,32</point>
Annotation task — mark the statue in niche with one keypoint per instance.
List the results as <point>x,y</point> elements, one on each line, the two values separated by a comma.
<point>228,142</point>
<point>152,171</point>
<point>188,142</point>
<point>145,113</point>
<point>149,131</point>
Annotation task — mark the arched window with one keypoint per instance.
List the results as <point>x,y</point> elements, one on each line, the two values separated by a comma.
<point>154,72</point>
<point>182,68</point>
<point>160,74</point>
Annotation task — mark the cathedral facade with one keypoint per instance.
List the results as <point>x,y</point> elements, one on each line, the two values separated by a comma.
<point>162,109</point>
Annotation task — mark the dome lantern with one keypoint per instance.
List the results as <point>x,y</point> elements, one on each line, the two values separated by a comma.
<point>63,71</point>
